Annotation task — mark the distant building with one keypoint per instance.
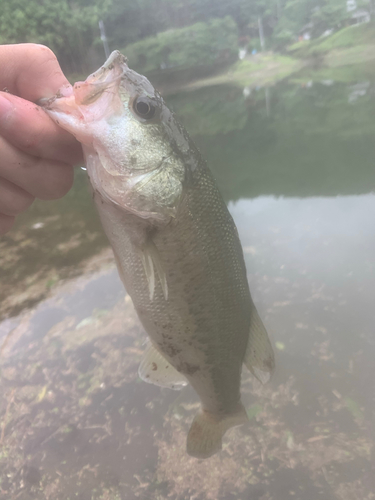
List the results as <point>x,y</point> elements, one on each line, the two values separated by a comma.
<point>361,16</point>
<point>358,16</point>
<point>351,5</point>
<point>305,32</point>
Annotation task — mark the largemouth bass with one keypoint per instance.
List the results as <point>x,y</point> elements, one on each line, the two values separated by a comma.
<point>176,246</point>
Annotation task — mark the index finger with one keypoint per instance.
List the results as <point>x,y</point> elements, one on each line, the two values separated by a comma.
<point>27,127</point>
<point>30,71</point>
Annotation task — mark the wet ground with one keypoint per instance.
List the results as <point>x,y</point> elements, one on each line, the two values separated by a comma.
<point>297,169</point>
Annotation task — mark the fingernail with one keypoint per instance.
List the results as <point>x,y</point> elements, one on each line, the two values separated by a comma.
<point>5,108</point>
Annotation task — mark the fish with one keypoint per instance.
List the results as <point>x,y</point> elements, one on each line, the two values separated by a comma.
<point>175,244</point>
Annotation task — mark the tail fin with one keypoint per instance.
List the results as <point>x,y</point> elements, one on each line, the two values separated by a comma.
<point>207,431</point>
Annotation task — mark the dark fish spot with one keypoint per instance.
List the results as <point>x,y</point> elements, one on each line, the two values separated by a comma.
<point>187,368</point>
<point>169,349</point>
<point>269,363</point>
<point>154,366</point>
<point>133,160</point>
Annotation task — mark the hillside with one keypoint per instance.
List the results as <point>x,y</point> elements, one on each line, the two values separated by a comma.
<point>348,42</point>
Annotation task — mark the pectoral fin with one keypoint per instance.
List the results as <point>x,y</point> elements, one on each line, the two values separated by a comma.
<point>259,357</point>
<point>155,369</point>
<point>151,261</point>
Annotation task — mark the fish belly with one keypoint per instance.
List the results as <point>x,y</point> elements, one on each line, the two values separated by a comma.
<point>202,327</point>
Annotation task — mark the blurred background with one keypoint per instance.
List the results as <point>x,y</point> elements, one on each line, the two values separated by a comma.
<point>166,35</point>
<point>280,98</point>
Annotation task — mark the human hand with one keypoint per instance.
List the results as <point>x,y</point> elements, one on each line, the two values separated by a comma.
<point>36,156</point>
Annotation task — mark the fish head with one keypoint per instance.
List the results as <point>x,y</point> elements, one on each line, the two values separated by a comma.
<point>136,152</point>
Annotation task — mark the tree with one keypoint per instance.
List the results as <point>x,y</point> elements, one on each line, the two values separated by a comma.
<point>69,28</point>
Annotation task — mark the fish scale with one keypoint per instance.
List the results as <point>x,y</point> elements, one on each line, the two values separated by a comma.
<point>176,246</point>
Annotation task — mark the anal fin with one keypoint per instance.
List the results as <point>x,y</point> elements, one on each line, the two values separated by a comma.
<point>155,369</point>
<point>259,356</point>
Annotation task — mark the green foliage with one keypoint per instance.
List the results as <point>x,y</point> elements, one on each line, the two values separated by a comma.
<point>316,16</point>
<point>130,20</point>
<point>349,37</point>
<point>200,44</point>
<point>330,14</point>
<point>68,28</point>
<point>283,37</point>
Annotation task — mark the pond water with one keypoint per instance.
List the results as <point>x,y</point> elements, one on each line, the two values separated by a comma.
<point>296,165</point>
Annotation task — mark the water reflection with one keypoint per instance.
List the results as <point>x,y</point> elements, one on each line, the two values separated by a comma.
<point>76,420</point>
<point>307,141</point>
<point>314,142</point>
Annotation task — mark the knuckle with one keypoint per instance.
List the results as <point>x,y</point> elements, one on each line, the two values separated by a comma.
<point>42,53</point>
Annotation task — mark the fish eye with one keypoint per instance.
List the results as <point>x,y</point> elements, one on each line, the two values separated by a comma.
<point>144,108</point>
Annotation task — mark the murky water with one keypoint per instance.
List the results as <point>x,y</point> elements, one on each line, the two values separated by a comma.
<point>296,164</point>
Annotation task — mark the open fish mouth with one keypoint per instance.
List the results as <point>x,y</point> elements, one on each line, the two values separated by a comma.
<point>106,77</point>
<point>84,93</point>
<point>115,64</point>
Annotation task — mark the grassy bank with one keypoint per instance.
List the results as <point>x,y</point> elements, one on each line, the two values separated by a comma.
<point>353,45</point>
<point>259,70</point>
<point>351,39</point>
<point>343,56</point>
<point>346,56</point>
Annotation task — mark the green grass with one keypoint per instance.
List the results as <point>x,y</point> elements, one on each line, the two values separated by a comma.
<point>262,62</point>
<point>352,36</point>
<point>266,69</point>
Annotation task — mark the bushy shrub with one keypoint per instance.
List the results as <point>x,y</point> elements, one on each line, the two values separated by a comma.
<point>200,44</point>
<point>67,27</point>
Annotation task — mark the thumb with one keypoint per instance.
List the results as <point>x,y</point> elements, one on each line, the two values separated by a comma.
<point>30,71</point>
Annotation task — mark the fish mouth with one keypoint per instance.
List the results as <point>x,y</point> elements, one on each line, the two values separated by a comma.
<point>106,78</point>
<point>113,67</point>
